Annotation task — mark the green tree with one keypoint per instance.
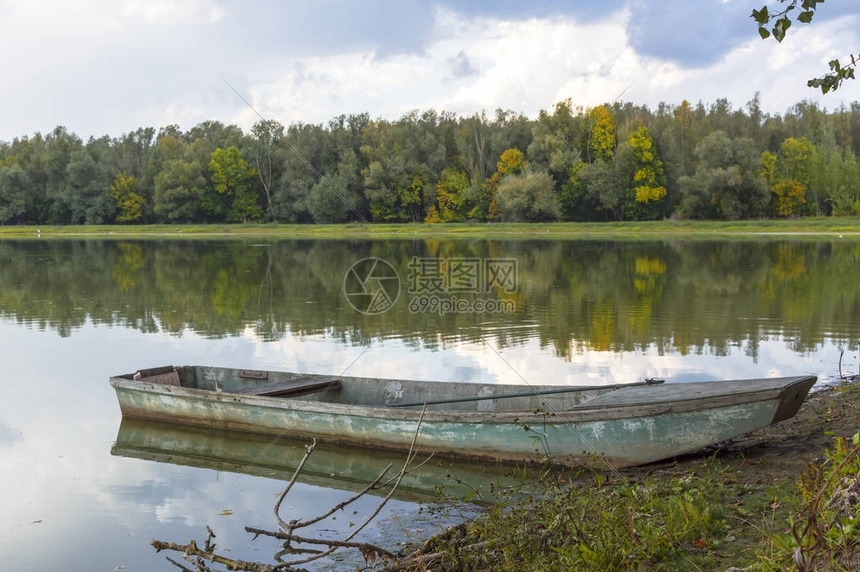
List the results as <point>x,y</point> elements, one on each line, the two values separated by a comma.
<point>129,204</point>
<point>834,179</point>
<point>728,183</point>
<point>60,145</point>
<point>603,187</point>
<point>179,191</point>
<point>511,162</point>
<point>14,193</point>
<point>231,178</point>
<point>332,199</point>
<point>309,151</point>
<point>170,146</point>
<point>266,135</point>
<point>132,151</point>
<point>575,203</point>
<point>527,196</point>
<point>87,191</point>
<point>767,166</point>
<point>452,202</point>
<point>393,194</point>
<point>555,138</point>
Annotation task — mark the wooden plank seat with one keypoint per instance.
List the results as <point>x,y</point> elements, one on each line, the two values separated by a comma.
<point>166,375</point>
<point>292,388</point>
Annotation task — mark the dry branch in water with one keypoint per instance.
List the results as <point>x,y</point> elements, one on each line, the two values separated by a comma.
<point>201,558</point>
<point>191,549</point>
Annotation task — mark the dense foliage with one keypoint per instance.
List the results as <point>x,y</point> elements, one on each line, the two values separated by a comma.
<point>611,162</point>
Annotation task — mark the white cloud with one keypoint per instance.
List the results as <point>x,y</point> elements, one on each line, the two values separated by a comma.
<point>105,67</point>
<point>172,12</point>
<point>532,64</point>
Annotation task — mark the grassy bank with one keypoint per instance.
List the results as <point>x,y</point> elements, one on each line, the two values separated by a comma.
<point>806,226</point>
<point>746,505</point>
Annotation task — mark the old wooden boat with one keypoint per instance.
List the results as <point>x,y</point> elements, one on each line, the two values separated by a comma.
<point>617,426</point>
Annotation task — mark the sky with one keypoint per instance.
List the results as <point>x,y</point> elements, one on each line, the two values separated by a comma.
<point>107,67</point>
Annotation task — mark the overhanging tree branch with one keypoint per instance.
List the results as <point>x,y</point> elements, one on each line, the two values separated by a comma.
<point>775,22</point>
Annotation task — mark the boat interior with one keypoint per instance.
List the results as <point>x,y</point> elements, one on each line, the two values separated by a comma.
<point>374,392</point>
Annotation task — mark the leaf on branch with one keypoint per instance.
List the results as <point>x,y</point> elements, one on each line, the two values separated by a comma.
<point>762,31</point>
<point>779,29</point>
<point>760,16</point>
<point>805,17</point>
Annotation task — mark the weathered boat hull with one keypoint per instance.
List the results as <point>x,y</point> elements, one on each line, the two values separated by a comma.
<point>616,427</point>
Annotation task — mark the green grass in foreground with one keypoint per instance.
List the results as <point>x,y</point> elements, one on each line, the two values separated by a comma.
<point>818,225</point>
<point>702,519</point>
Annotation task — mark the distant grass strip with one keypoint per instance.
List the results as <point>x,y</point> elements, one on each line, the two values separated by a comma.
<point>807,226</point>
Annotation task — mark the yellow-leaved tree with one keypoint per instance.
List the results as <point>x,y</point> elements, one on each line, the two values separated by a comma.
<point>129,204</point>
<point>793,175</point>
<point>601,135</point>
<point>649,181</point>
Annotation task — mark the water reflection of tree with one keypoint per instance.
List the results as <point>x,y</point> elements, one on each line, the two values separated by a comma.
<point>574,296</point>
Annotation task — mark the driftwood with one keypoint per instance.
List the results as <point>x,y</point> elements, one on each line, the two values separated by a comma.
<point>191,550</point>
<point>202,558</point>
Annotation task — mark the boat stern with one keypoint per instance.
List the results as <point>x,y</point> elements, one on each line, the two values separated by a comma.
<point>793,397</point>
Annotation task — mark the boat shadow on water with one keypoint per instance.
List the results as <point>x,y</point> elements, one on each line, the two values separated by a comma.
<point>383,474</point>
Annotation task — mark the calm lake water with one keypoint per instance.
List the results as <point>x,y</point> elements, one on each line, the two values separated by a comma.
<point>81,494</point>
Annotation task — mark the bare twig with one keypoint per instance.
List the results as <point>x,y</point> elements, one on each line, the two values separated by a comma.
<point>284,526</point>
<point>179,565</point>
<point>191,549</point>
<point>841,353</point>
<point>409,457</point>
<point>362,546</point>
<point>209,547</point>
<point>341,505</point>
<point>410,470</point>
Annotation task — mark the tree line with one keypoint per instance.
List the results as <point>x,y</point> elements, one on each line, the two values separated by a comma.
<point>611,162</point>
